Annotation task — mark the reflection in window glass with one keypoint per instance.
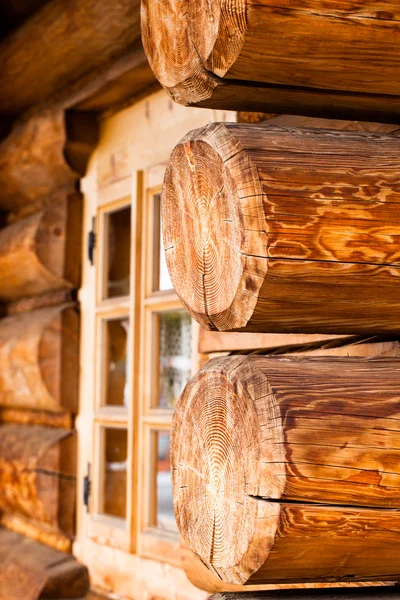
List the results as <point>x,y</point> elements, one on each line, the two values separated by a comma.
<point>162,279</point>
<point>114,471</point>
<point>115,344</point>
<point>118,232</point>
<point>164,517</point>
<point>175,345</point>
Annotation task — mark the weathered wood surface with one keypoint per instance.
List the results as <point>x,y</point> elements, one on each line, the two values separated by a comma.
<point>42,252</point>
<point>287,470</point>
<point>37,531</point>
<point>77,40</point>
<point>24,416</point>
<point>204,579</point>
<point>29,570</point>
<point>37,474</point>
<point>285,230</point>
<point>213,342</point>
<point>39,354</point>
<point>46,300</point>
<point>365,593</point>
<point>33,163</point>
<point>302,57</point>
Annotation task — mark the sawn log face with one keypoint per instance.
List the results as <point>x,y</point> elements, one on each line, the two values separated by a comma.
<point>287,469</point>
<point>285,230</point>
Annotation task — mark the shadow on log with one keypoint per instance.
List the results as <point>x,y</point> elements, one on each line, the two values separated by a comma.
<point>303,57</point>
<point>40,361</point>
<point>37,474</point>
<point>285,230</point>
<point>41,253</point>
<point>286,470</point>
<point>29,570</point>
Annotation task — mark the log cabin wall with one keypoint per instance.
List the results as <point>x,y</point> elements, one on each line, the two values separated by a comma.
<point>129,548</point>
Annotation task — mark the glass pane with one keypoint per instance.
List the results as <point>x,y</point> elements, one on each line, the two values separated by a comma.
<point>175,351</point>
<point>115,345</point>
<point>162,279</point>
<point>118,262</point>
<point>114,470</point>
<point>164,510</point>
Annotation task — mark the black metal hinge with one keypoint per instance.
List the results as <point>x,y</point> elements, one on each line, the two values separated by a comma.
<point>92,241</point>
<point>87,488</point>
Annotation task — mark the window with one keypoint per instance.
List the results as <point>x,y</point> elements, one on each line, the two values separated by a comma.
<point>168,360</point>
<point>142,351</point>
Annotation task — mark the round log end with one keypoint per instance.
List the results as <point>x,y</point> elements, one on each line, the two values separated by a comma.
<point>216,447</point>
<point>214,228</point>
<point>189,43</point>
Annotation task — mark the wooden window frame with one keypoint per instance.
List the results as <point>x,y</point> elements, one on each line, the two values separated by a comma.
<point>154,542</point>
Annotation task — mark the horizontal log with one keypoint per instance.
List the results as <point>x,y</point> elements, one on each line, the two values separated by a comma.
<point>37,531</point>
<point>302,57</point>
<point>39,357</point>
<point>41,301</point>
<point>201,577</point>
<point>43,156</point>
<point>360,593</point>
<point>213,342</point>
<point>37,474</point>
<point>285,230</point>
<point>77,41</point>
<point>287,470</point>
<point>25,416</point>
<point>30,570</point>
<point>41,253</point>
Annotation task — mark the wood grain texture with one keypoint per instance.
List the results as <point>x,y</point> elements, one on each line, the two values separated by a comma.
<point>215,342</point>
<point>286,470</point>
<point>39,354</point>
<point>37,531</point>
<point>78,38</point>
<point>24,416</point>
<point>285,230</point>
<point>33,166</point>
<point>46,300</point>
<point>268,56</point>
<point>29,570</point>
<point>42,253</point>
<point>338,593</point>
<point>204,579</point>
<point>37,474</point>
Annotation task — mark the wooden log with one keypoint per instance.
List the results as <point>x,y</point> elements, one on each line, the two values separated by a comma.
<point>41,253</point>
<point>287,470</point>
<point>37,474</point>
<point>215,342</point>
<point>77,41</point>
<point>39,357</point>
<point>301,57</point>
<point>34,530</point>
<point>337,593</point>
<point>33,163</point>
<point>285,230</point>
<point>41,301</point>
<point>23,416</point>
<point>28,568</point>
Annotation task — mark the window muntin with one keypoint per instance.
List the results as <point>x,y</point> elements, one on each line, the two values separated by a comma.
<point>161,489</point>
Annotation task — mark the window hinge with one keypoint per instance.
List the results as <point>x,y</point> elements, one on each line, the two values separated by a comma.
<point>92,241</point>
<point>87,488</point>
